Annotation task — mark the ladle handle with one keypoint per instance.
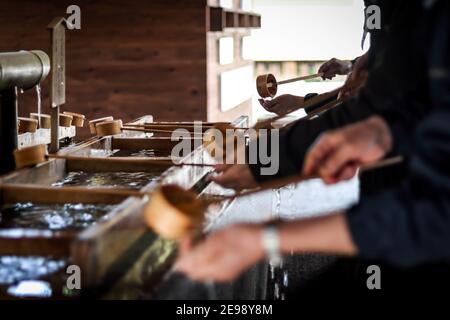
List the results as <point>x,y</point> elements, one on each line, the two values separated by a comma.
<point>145,130</point>
<point>319,110</point>
<point>276,184</point>
<point>311,76</point>
<point>174,125</point>
<point>133,160</point>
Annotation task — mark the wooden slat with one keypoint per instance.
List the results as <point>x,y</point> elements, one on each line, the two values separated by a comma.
<point>14,193</point>
<point>46,173</point>
<point>156,143</point>
<point>23,242</point>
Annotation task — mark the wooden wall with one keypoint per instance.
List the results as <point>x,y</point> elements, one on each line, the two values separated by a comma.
<point>130,57</point>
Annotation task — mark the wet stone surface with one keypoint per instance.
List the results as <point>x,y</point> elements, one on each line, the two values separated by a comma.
<point>127,180</point>
<point>14,269</point>
<point>53,216</point>
<point>29,277</point>
<point>145,153</point>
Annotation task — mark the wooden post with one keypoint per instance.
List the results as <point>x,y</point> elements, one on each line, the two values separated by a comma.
<point>58,76</point>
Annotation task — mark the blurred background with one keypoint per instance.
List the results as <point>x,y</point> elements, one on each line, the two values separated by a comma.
<point>184,59</point>
<point>297,36</point>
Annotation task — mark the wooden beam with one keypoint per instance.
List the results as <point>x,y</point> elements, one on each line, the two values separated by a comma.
<point>14,193</point>
<point>22,242</point>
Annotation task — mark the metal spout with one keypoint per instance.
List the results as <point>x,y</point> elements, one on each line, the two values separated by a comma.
<point>23,69</point>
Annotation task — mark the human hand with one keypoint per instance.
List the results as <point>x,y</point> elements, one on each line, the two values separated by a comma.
<point>336,155</point>
<point>356,79</point>
<point>223,255</point>
<point>335,67</point>
<point>237,177</point>
<point>282,104</point>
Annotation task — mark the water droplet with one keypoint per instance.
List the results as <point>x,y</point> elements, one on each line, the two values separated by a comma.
<point>276,292</point>
<point>272,271</point>
<point>39,103</point>
<point>285,278</point>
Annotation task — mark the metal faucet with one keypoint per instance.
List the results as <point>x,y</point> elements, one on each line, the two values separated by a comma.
<point>20,70</point>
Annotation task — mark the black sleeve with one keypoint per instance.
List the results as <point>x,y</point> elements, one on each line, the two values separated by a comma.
<point>393,90</point>
<point>295,141</point>
<point>316,106</point>
<point>410,225</point>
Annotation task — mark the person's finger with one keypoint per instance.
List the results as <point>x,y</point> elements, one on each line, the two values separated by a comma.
<point>210,269</point>
<point>224,180</point>
<point>324,67</point>
<point>268,104</point>
<point>185,263</point>
<point>319,151</point>
<point>231,182</point>
<point>220,266</point>
<point>347,172</point>
<point>315,156</point>
<point>200,255</point>
<point>221,167</point>
<point>261,102</point>
<point>328,180</point>
<point>275,108</point>
<point>336,161</point>
<point>324,75</point>
<point>211,249</point>
<point>218,271</point>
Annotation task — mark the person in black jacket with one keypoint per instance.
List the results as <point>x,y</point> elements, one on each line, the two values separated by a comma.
<point>405,226</point>
<point>394,89</point>
<point>356,69</point>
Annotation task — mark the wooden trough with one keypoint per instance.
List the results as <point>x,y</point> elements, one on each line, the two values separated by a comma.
<point>119,250</point>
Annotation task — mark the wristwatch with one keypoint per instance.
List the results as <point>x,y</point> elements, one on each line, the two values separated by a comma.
<point>271,245</point>
<point>310,96</point>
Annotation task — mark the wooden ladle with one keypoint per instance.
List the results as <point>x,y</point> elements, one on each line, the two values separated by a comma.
<point>113,127</point>
<point>34,155</point>
<point>45,122</point>
<point>77,118</point>
<point>213,147</point>
<point>174,212</point>
<point>267,84</point>
<point>93,122</point>
<point>65,120</point>
<point>27,125</point>
<point>174,126</point>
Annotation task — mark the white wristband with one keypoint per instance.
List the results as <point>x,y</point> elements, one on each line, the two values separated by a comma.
<point>271,244</point>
